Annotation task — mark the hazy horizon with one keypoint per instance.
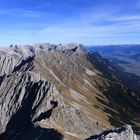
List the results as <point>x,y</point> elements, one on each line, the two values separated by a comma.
<point>90,45</point>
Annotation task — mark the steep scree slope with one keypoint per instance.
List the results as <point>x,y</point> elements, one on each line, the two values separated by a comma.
<point>56,91</point>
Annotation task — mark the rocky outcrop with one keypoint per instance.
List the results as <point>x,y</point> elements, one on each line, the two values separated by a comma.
<point>55,91</point>
<point>122,133</point>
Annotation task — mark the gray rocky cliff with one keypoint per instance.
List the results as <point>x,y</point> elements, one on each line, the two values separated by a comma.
<point>52,91</point>
<point>123,133</point>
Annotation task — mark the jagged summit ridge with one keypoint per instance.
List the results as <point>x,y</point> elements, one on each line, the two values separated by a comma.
<point>29,50</point>
<point>61,87</point>
<point>123,133</point>
<point>12,56</point>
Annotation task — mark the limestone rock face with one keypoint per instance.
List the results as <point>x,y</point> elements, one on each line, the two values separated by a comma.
<point>57,92</point>
<point>122,133</point>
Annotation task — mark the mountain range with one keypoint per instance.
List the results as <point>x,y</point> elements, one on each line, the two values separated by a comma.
<point>66,92</point>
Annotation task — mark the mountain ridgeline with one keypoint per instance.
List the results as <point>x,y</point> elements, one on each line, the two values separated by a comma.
<point>125,59</point>
<point>63,92</point>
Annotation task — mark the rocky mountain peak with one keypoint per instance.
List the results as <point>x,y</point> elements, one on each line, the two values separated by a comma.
<point>14,54</point>
<point>123,133</point>
<point>26,50</point>
<point>60,91</point>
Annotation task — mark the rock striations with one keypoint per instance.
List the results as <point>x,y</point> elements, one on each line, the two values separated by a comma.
<point>62,92</point>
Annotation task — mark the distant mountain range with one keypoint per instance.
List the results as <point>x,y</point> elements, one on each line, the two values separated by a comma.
<point>126,58</point>
<point>118,50</point>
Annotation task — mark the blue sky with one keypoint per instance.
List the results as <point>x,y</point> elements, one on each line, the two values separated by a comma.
<point>62,21</point>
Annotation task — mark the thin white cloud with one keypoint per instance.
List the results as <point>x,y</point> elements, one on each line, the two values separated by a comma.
<point>128,18</point>
<point>93,23</point>
<point>20,12</point>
